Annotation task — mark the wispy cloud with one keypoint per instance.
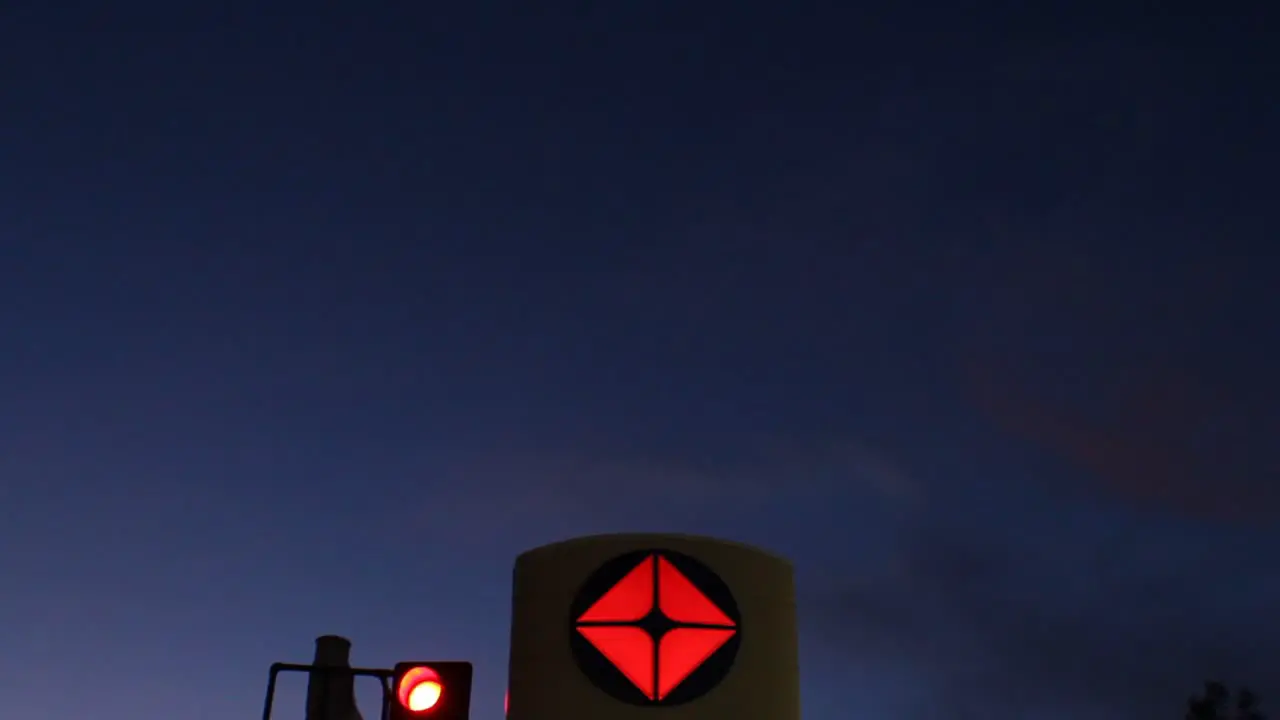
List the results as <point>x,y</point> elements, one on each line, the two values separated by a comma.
<point>546,494</point>
<point>1158,436</point>
<point>996,631</point>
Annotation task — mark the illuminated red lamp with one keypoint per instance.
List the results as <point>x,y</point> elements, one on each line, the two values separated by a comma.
<point>439,690</point>
<point>419,689</point>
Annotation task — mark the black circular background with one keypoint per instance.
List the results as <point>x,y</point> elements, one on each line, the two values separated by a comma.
<point>608,678</point>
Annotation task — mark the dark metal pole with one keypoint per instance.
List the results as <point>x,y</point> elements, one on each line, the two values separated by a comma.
<point>271,691</point>
<point>383,675</point>
<point>332,695</point>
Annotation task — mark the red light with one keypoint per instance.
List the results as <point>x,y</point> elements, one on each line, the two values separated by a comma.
<point>628,600</point>
<point>683,650</point>
<point>607,625</point>
<point>629,648</point>
<point>683,602</point>
<point>420,689</point>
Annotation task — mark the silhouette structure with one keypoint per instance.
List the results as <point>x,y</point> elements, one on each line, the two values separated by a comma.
<point>332,696</point>
<point>1215,703</point>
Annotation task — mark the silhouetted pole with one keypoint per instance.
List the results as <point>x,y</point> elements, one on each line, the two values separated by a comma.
<point>332,696</point>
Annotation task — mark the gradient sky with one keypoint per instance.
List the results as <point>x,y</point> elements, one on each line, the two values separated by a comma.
<point>312,318</point>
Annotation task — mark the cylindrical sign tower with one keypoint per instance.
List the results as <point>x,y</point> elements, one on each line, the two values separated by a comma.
<point>659,627</point>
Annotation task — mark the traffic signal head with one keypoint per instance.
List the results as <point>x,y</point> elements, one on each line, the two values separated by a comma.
<point>431,690</point>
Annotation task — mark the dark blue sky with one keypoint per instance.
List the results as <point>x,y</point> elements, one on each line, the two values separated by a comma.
<point>312,318</point>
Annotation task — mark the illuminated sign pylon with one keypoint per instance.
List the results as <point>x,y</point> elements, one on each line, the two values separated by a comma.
<point>658,628</point>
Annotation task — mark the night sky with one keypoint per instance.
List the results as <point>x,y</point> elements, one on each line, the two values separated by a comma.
<point>312,317</point>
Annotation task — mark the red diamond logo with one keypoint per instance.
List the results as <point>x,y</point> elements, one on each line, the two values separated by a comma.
<point>621,624</point>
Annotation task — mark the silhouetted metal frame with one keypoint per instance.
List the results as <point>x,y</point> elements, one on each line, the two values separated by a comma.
<point>276,668</point>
